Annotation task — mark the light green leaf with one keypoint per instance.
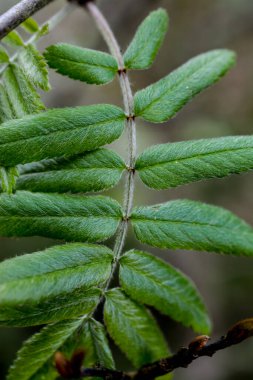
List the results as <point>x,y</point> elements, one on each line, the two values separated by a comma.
<point>34,67</point>
<point>13,39</point>
<point>153,282</point>
<point>4,58</point>
<point>170,165</point>
<point>188,224</point>
<point>133,329</point>
<point>30,25</point>
<point>90,66</point>
<point>21,94</point>
<point>41,348</point>
<point>147,41</point>
<point>94,171</point>
<point>162,100</point>
<point>59,132</point>
<point>71,218</point>
<point>6,112</point>
<point>8,179</point>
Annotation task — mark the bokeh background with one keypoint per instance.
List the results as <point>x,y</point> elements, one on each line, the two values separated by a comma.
<point>225,282</point>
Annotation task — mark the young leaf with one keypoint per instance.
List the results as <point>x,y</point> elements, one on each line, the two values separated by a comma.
<point>71,218</point>
<point>149,37</point>
<point>8,179</point>
<point>6,112</point>
<point>30,25</point>
<point>94,171</point>
<point>188,224</point>
<point>170,165</point>
<point>13,39</point>
<point>59,132</point>
<point>34,66</point>
<point>90,66</point>
<point>41,348</point>
<point>22,96</point>
<point>4,58</point>
<point>149,280</point>
<point>162,100</point>
<point>133,329</point>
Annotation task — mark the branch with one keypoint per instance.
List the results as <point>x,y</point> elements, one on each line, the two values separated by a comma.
<point>19,13</point>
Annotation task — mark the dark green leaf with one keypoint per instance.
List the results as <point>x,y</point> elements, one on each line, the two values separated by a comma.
<point>188,224</point>
<point>171,165</point>
<point>95,171</point>
<point>13,39</point>
<point>30,25</point>
<point>133,329</point>
<point>59,132</point>
<point>90,66</point>
<point>38,349</point>
<point>149,37</point>
<point>34,66</point>
<point>152,281</point>
<point>6,112</point>
<point>21,94</point>
<point>163,99</point>
<point>4,58</point>
<point>71,218</point>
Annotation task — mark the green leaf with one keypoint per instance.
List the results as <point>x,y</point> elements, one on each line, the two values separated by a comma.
<point>30,25</point>
<point>21,94</point>
<point>188,224</point>
<point>13,39</point>
<point>95,171</point>
<point>8,179</point>
<point>4,58</point>
<point>71,218</point>
<point>162,100</point>
<point>6,112</point>
<point>147,41</point>
<point>34,286</point>
<point>34,66</point>
<point>41,348</point>
<point>170,165</point>
<point>153,282</point>
<point>133,329</point>
<point>59,132</point>
<point>90,66</point>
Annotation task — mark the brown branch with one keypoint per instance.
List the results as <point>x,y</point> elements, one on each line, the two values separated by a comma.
<point>19,13</point>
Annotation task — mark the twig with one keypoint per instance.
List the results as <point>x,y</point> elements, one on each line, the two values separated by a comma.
<point>19,13</point>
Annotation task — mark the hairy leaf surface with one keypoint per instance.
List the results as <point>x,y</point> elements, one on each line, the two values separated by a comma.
<point>90,66</point>
<point>170,165</point>
<point>59,132</point>
<point>150,280</point>
<point>94,171</point>
<point>71,218</point>
<point>133,329</point>
<point>162,100</point>
<point>149,37</point>
<point>6,112</point>
<point>188,224</point>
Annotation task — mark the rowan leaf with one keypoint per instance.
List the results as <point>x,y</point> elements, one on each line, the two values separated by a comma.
<point>59,132</point>
<point>4,57</point>
<point>86,65</point>
<point>34,67</point>
<point>148,39</point>
<point>162,100</point>
<point>185,224</point>
<point>30,25</point>
<point>133,329</point>
<point>6,112</point>
<point>94,171</point>
<point>13,39</point>
<point>71,218</point>
<point>153,282</point>
<point>170,165</point>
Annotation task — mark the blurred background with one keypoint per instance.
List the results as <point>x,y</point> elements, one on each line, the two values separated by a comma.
<point>226,283</point>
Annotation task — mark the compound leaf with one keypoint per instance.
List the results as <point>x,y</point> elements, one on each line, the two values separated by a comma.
<point>144,47</point>
<point>150,280</point>
<point>133,329</point>
<point>90,66</point>
<point>94,171</point>
<point>71,218</point>
<point>59,132</point>
<point>41,347</point>
<point>170,165</point>
<point>34,67</point>
<point>185,224</point>
<point>162,100</point>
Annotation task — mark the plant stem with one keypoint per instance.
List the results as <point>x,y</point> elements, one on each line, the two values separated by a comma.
<point>127,95</point>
